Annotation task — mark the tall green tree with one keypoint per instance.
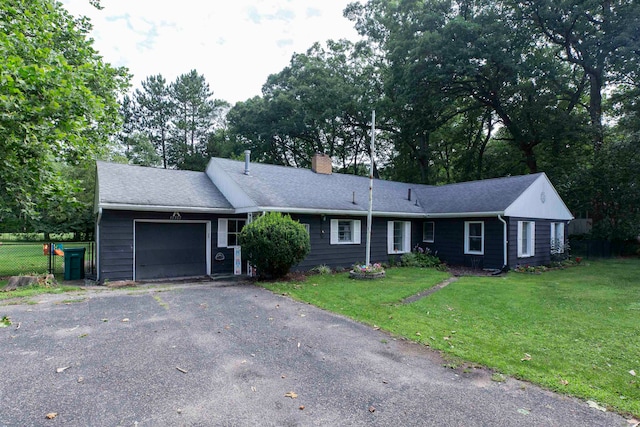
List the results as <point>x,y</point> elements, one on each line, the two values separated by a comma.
<point>154,112</point>
<point>320,102</point>
<point>179,119</point>
<point>58,105</point>
<point>600,37</point>
<point>448,59</point>
<point>193,117</point>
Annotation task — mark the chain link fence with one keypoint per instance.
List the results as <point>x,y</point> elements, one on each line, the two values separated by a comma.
<point>26,258</point>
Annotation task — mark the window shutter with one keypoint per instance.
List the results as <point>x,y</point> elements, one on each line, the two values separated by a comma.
<point>519,244</point>
<point>222,232</point>
<point>356,231</point>
<point>407,236</point>
<point>561,236</point>
<point>334,231</point>
<point>532,252</point>
<point>466,237</point>
<point>390,237</point>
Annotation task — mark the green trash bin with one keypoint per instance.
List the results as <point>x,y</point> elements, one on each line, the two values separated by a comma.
<point>74,263</point>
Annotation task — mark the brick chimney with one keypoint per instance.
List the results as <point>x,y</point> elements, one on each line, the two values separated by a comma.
<point>321,163</point>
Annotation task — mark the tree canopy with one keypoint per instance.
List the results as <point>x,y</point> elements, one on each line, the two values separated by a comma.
<point>315,104</point>
<point>59,107</point>
<point>173,125</point>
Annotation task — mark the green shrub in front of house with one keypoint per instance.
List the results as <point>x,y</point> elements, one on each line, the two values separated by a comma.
<point>273,243</point>
<point>420,257</point>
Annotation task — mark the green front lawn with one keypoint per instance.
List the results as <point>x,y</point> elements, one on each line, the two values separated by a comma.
<point>575,331</point>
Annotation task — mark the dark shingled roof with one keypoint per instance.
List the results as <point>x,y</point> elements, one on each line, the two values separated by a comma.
<point>290,189</point>
<point>296,188</point>
<point>140,186</point>
<point>488,195</point>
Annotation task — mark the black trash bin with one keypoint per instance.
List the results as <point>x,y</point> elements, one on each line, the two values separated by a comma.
<point>74,263</point>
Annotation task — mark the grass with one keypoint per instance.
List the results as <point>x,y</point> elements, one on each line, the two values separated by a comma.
<point>574,331</point>
<point>160,302</point>
<point>28,258</point>
<point>364,300</point>
<point>34,290</point>
<point>19,259</point>
<point>73,300</point>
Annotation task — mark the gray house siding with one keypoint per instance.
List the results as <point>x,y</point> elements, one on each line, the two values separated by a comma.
<point>224,265</point>
<point>322,251</point>
<point>116,243</point>
<point>115,246</point>
<point>542,252</point>
<point>449,237</point>
<point>344,256</point>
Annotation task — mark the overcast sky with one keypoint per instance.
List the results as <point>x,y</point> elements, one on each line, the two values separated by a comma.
<point>236,44</point>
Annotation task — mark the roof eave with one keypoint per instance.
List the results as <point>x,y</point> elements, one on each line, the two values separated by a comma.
<point>162,208</point>
<point>313,211</point>
<point>464,214</point>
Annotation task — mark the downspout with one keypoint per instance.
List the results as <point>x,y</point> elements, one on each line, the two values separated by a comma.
<point>506,246</point>
<point>98,245</point>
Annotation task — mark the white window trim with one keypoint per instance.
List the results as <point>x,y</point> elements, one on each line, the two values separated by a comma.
<point>223,231</point>
<point>307,227</point>
<point>355,232</point>
<point>433,229</point>
<point>466,238</point>
<point>531,244</point>
<point>555,226</point>
<point>406,237</point>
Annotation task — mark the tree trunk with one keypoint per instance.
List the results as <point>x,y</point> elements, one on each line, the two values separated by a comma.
<point>595,110</point>
<point>530,157</point>
<point>164,148</point>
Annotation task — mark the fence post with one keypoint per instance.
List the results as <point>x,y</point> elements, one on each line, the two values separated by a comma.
<point>50,255</point>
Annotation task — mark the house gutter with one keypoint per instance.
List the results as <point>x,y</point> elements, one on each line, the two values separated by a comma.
<point>336,212</point>
<point>159,208</point>
<point>464,214</point>
<point>506,241</point>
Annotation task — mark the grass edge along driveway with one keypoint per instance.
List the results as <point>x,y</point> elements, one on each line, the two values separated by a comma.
<point>574,331</point>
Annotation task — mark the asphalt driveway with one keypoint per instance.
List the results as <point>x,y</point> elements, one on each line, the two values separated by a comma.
<point>218,354</point>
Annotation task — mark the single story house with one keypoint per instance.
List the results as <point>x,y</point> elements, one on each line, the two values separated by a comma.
<point>158,223</point>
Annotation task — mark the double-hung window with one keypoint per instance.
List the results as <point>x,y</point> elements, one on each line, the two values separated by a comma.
<point>228,231</point>
<point>307,227</point>
<point>557,237</point>
<point>428,232</point>
<point>526,239</point>
<point>345,231</point>
<point>398,237</point>
<point>474,237</point>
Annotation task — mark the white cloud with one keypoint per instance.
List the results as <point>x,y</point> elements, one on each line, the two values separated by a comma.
<point>236,45</point>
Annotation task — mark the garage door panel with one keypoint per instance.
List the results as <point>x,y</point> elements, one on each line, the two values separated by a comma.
<point>166,250</point>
